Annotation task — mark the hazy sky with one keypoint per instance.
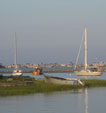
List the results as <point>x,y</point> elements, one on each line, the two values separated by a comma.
<point>51,30</point>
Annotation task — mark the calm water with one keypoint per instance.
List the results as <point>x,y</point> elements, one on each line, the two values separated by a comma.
<point>72,75</point>
<point>92,100</point>
<point>82,101</point>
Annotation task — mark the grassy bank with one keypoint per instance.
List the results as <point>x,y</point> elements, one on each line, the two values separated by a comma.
<point>37,87</point>
<point>95,83</point>
<point>40,86</point>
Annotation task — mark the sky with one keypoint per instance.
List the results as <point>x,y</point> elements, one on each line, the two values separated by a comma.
<point>50,31</point>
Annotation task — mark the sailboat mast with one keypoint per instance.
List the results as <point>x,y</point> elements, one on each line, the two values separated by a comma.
<point>85,66</point>
<point>15,51</point>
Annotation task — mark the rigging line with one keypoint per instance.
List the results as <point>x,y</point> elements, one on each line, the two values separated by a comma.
<point>79,51</point>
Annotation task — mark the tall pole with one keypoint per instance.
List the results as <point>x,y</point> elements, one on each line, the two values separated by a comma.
<point>15,51</point>
<point>85,67</point>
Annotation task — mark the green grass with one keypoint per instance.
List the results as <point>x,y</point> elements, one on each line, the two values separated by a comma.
<point>41,86</point>
<point>37,87</point>
<point>95,83</point>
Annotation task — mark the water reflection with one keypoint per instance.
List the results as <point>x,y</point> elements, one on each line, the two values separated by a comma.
<point>58,102</point>
<point>86,100</point>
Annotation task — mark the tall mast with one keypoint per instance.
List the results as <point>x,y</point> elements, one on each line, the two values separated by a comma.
<point>85,66</point>
<point>15,51</point>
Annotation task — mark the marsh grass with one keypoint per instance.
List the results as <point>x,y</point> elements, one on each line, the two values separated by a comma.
<point>38,87</point>
<point>42,87</point>
<point>95,83</point>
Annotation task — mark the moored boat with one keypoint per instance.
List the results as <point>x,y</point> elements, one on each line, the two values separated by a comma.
<point>16,71</point>
<point>86,71</point>
<point>65,81</point>
<point>37,71</point>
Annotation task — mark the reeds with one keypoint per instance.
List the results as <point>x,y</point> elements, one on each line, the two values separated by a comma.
<point>40,86</point>
<point>95,83</point>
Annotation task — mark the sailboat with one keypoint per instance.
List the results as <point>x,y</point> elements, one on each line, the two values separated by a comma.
<point>86,71</point>
<point>16,71</point>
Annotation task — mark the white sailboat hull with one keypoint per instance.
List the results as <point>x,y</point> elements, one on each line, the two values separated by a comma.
<point>17,73</point>
<point>88,73</point>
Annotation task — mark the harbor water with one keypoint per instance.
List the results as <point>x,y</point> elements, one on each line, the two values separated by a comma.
<point>80,101</point>
<point>91,100</point>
